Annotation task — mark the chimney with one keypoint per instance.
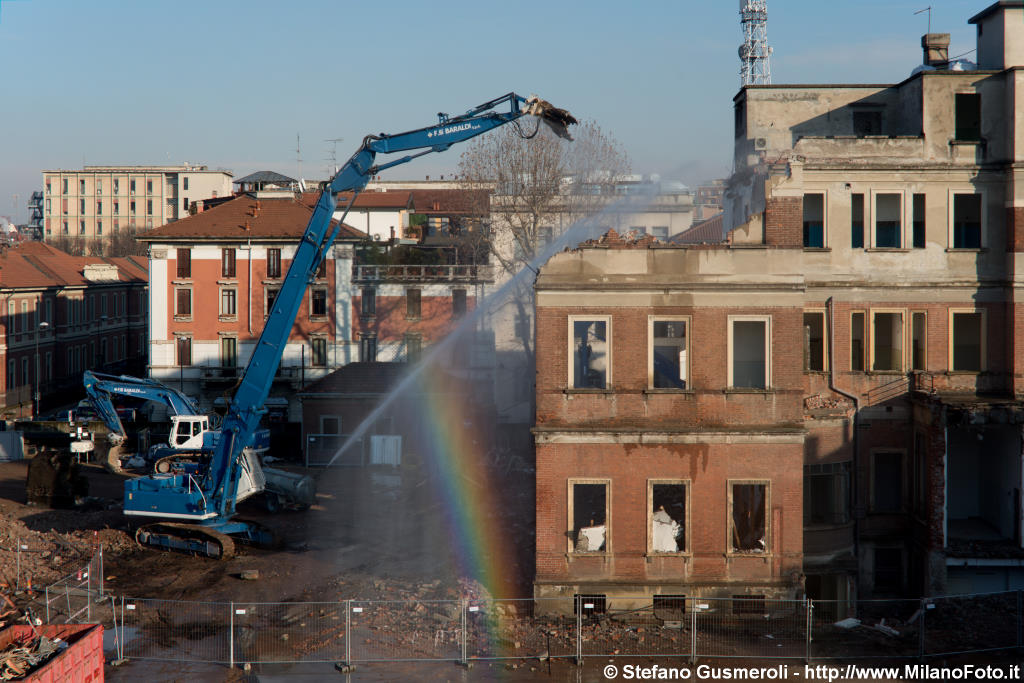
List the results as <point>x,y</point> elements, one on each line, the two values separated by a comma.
<point>936,49</point>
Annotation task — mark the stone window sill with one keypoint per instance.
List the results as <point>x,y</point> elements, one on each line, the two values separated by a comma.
<point>606,392</point>
<point>685,393</point>
<point>896,250</point>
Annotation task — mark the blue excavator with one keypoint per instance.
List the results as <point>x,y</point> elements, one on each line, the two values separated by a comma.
<point>194,511</point>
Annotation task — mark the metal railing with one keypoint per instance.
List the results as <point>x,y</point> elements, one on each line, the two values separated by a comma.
<point>471,273</point>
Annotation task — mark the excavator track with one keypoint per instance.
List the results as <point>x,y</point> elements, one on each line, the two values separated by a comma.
<point>186,538</point>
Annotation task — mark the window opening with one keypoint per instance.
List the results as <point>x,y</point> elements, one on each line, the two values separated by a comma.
<point>184,351</point>
<point>318,352</point>
<point>827,493</point>
<point>888,342</point>
<point>857,221</point>
<point>228,301</point>
<point>228,352</point>
<point>458,302</point>
<point>589,503</point>
<point>184,257</point>
<point>967,221</point>
<point>918,340</point>
<point>967,342</point>
<point>367,349</point>
<point>749,533</point>
<point>918,224</point>
<point>590,354</point>
<point>273,262</point>
<point>888,224</point>
<point>668,518</point>
<point>184,302</point>
<point>814,220</point>
<point>867,123</point>
<point>814,342</point>
<point>857,342</point>
<point>227,264</point>
<point>749,354</point>
<point>368,301</point>
<point>412,303</point>
<point>669,607</point>
<point>968,116</point>
<point>669,354</point>
<point>318,302</point>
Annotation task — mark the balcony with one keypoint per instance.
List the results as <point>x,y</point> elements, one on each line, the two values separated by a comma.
<point>421,273</point>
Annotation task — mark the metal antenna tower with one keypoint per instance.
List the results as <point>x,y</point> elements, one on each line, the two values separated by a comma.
<point>755,51</point>
<point>334,156</point>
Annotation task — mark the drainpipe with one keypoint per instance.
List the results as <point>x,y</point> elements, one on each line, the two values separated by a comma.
<point>248,298</point>
<point>829,304</point>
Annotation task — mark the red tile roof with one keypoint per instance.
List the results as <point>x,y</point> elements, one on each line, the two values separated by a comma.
<point>35,264</point>
<point>376,199</point>
<point>705,232</point>
<point>450,201</point>
<point>246,217</point>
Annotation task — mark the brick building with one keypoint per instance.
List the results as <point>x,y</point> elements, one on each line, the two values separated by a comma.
<point>669,407</point>
<point>214,277</point>
<point>903,202</point>
<point>63,315</point>
<point>870,276</point>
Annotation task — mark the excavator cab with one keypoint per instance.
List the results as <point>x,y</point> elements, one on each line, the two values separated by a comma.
<point>187,431</point>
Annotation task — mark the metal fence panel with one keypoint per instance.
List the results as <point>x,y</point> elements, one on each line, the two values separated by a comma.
<point>288,632</point>
<point>515,629</point>
<point>866,629</point>
<point>406,630</point>
<point>759,628</point>
<point>321,450</point>
<point>170,630</point>
<point>971,623</point>
<point>70,599</point>
<point>634,627</point>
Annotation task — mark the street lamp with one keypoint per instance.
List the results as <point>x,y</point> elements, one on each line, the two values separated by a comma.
<point>43,326</point>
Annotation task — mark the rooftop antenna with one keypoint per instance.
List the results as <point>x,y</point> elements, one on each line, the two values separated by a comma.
<point>298,154</point>
<point>334,156</point>
<point>927,9</point>
<point>755,68</point>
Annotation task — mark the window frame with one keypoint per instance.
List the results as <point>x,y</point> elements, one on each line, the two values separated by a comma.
<point>767,320</point>
<point>951,218</point>
<point>570,510</point>
<point>983,341</point>
<point>903,340</point>
<point>571,348</point>
<point>314,342</point>
<point>871,220</point>
<point>839,475</point>
<point>911,365</point>
<point>228,343</point>
<point>413,303</point>
<point>228,263</point>
<point>651,320</point>
<point>183,263</point>
<point>178,292</point>
<point>864,343</point>
<point>274,261</point>
<point>460,302</point>
<point>686,484</point>
<point>824,220</point>
<point>730,528</point>
<point>268,301</point>
<point>824,341</point>
<point>316,293</point>
<point>368,302</point>
<point>229,295</point>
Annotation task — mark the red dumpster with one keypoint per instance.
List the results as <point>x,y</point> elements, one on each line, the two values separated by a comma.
<point>80,662</point>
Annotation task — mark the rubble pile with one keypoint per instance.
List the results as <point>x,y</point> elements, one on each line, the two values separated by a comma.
<point>38,558</point>
<point>18,660</point>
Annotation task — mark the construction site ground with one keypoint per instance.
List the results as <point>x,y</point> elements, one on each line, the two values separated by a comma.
<point>374,534</point>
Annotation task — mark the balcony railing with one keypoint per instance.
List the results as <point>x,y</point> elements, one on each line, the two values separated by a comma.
<point>363,273</point>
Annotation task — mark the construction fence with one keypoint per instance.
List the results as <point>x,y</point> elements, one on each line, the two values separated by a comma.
<point>573,628</point>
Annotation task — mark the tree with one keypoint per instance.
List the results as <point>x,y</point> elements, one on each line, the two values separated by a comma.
<point>541,185</point>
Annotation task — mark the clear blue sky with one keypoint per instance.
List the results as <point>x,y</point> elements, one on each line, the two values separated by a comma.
<point>230,84</point>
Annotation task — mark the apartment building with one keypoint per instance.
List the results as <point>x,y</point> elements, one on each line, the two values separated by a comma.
<point>63,315</point>
<point>861,328</point>
<point>214,277</point>
<point>97,200</point>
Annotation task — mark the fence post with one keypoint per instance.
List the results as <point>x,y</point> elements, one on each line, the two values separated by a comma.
<point>693,632</point>
<point>809,604</point>
<point>920,630</point>
<point>579,629</point>
<point>348,633</point>
<point>101,571</point>
<point>231,637</point>
<point>47,593</point>
<point>88,594</point>
<point>1019,619</point>
<point>465,660</point>
<point>17,571</point>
